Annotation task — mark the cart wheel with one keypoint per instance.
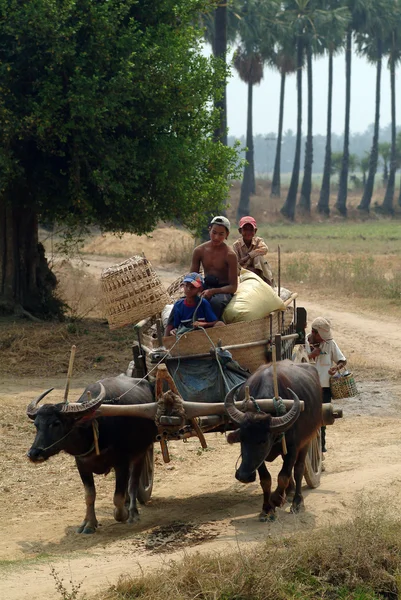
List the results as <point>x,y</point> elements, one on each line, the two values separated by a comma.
<point>146,479</point>
<point>313,462</point>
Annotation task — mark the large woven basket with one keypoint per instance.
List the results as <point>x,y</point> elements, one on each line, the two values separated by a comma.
<point>131,292</point>
<point>197,342</point>
<point>343,386</point>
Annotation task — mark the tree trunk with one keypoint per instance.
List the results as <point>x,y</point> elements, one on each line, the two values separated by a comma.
<point>306,188</point>
<point>374,153</point>
<point>385,173</point>
<point>220,51</point>
<point>26,281</point>
<point>387,206</point>
<point>276,182</point>
<point>341,204</point>
<point>288,209</point>
<point>324,200</point>
<point>249,171</point>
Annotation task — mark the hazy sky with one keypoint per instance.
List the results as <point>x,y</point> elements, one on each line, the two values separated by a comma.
<point>266,98</point>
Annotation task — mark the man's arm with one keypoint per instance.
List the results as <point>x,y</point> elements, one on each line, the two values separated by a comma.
<point>260,250</point>
<point>196,260</point>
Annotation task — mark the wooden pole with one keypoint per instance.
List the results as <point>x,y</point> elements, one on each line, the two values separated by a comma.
<point>69,373</point>
<point>275,385</point>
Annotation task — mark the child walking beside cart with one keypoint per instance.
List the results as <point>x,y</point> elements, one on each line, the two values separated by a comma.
<point>328,359</point>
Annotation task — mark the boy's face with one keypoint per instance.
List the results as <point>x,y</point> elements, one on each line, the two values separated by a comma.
<point>218,234</point>
<point>190,290</point>
<point>247,232</point>
<point>316,337</point>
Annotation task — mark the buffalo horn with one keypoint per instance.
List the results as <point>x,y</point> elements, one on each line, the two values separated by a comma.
<point>281,424</point>
<point>32,408</point>
<point>235,415</point>
<point>80,408</point>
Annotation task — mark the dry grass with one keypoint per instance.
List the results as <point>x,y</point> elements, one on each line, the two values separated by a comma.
<point>43,351</point>
<point>156,246</point>
<point>359,560</point>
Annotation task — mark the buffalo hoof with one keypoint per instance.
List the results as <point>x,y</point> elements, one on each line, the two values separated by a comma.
<point>87,529</point>
<point>277,500</point>
<point>121,514</point>
<point>265,517</point>
<point>134,518</point>
<point>297,508</point>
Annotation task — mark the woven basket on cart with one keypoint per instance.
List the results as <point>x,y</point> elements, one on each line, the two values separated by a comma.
<point>343,386</point>
<point>131,292</point>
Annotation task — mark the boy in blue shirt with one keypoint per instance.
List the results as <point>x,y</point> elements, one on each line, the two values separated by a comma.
<point>192,311</point>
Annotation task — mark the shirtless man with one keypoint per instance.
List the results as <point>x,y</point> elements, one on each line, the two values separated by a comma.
<point>220,266</point>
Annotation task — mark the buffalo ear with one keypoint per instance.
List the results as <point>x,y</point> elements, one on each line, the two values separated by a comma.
<point>85,419</point>
<point>234,437</point>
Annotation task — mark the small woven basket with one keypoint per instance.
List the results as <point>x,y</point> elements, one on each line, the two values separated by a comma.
<point>131,292</point>
<point>343,386</point>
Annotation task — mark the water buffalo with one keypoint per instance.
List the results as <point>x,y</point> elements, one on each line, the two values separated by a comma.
<point>260,433</point>
<point>123,441</point>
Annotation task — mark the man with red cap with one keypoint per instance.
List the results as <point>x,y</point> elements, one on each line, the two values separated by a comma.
<point>251,250</point>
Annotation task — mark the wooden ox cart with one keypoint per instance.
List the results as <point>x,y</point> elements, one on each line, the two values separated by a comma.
<point>251,344</point>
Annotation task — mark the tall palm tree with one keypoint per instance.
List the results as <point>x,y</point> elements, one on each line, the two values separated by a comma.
<point>334,41</point>
<point>393,51</point>
<point>220,29</point>
<point>359,10</point>
<point>284,60</point>
<point>250,70</point>
<point>292,10</point>
<point>370,42</point>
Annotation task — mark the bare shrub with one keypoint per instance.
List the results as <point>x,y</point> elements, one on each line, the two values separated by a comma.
<point>358,560</point>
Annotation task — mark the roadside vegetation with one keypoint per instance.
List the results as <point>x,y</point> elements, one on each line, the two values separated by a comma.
<point>358,560</point>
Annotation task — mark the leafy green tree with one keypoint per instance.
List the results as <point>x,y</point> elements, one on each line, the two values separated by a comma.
<point>105,119</point>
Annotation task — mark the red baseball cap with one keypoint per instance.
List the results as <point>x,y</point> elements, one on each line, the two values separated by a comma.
<point>246,220</point>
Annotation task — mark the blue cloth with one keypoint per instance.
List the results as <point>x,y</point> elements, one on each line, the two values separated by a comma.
<point>200,380</point>
<point>184,314</point>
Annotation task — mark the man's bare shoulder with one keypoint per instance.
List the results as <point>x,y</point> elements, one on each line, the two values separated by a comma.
<point>199,249</point>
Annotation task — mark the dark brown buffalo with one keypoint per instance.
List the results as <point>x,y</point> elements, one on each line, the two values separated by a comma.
<point>260,433</point>
<point>123,441</point>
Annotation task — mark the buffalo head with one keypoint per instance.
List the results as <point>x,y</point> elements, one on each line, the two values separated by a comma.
<point>55,422</point>
<point>257,433</point>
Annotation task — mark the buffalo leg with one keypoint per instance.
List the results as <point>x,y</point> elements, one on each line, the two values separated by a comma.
<point>89,524</point>
<point>265,479</point>
<point>284,478</point>
<point>122,475</point>
<point>133,484</point>
<point>299,469</point>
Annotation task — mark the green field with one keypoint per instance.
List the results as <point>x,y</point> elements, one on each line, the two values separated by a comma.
<point>370,237</point>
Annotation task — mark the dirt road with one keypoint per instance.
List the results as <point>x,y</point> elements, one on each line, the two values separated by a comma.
<point>197,504</point>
